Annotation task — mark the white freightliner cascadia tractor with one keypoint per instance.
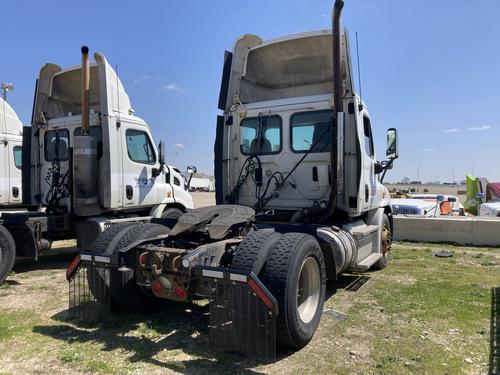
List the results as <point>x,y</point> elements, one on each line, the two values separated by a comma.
<point>11,140</point>
<point>88,162</point>
<point>299,201</point>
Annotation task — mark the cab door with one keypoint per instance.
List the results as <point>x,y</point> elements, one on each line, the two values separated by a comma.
<point>368,186</point>
<point>143,183</point>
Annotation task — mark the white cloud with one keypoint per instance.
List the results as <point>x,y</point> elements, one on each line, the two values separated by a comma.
<point>479,128</point>
<point>427,150</point>
<point>325,15</point>
<point>142,78</point>
<point>179,145</point>
<point>452,130</point>
<point>175,88</point>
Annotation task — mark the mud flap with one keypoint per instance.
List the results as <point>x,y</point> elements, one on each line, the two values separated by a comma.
<point>242,314</point>
<point>90,283</point>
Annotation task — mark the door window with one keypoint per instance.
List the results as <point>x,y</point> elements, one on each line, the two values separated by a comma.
<point>368,137</point>
<point>56,145</point>
<point>139,147</point>
<point>312,129</point>
<point>260,135</point>
<point>18,159</point>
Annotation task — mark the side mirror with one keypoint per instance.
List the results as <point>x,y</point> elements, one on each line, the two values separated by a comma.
<point>392,144</point>
<point>191,170</point>
<point>161,152</point>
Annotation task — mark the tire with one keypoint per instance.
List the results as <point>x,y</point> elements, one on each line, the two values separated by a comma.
<point>172,213</point>
<point>96,277</point>
<point>127,295</point>
<point>385,244</point>
<point>293,255</point>
<point>248,250</point>
<point>7,253</point>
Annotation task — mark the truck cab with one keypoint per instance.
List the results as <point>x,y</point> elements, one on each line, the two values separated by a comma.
<point>131,173</point>
<point>11,131</point>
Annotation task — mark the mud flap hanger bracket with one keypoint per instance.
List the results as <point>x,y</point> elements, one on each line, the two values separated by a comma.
<point>232,276</point>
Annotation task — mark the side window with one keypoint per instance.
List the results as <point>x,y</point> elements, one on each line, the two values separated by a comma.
<point>177,181</point>
<point>260,135</point>
<point>139,147</point>
<point>310,129</point>
<point>56,145</point>
<point>18,159</point>
<point>95,131</point>
<point>368,137</point>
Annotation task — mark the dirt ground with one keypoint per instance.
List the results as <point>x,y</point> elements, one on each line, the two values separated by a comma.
<point>420,315</point>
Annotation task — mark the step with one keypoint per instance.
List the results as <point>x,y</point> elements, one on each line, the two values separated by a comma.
<point>364,230</point>
<point>366,263</point>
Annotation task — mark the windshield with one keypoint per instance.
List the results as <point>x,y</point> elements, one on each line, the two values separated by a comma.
<point>260,135</point>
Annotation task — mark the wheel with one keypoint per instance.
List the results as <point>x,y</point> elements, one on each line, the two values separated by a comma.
<point>295,274</point>
<point>171,213</point>
<point>126,294</point>
<point>248,250</point>
<point>7,253</point>
<point>97,278</point>
<point>385,244</point>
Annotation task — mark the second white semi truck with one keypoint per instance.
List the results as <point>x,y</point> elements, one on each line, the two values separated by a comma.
<point>88,162</point>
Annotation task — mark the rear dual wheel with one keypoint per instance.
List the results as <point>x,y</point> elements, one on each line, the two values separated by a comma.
<point>295,274</point>
<point>125,294</point>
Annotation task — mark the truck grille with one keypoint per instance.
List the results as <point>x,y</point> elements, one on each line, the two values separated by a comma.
<point>406,210</point>
<point>240,322</point>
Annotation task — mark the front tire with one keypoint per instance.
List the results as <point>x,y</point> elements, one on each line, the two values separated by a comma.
<point>171,213</point>
<point>295,274</point>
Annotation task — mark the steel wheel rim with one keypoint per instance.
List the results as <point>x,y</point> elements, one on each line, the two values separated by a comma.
<point>308,290</point>
<point>386,239</point>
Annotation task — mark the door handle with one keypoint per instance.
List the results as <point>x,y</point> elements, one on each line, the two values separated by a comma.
<point>129,191</point>
<point>15,192</point>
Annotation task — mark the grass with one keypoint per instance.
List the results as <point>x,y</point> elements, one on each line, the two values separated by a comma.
<point>420,315</point>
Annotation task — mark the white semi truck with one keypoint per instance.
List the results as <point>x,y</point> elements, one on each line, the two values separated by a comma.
<point>200,184</point>
<point>11,139</point>
<point>299,201</point>
<point>88,162</point>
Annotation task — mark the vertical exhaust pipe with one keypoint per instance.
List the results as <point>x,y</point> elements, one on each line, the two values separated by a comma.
<point>338,94</point>
<point>85,164</point>
<point>85,90</point>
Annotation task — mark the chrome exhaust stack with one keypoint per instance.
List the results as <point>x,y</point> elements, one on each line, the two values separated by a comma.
<point>85,168</point>
<point>85,90</point>
<point>336,174</point>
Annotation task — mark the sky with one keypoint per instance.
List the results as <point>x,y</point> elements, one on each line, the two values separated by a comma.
<point>429,68</point>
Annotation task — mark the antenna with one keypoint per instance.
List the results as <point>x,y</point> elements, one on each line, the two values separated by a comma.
<point>360,107</point>
<point>118,124</point>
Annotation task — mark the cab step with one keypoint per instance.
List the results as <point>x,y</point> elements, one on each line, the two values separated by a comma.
<point>366,263</point>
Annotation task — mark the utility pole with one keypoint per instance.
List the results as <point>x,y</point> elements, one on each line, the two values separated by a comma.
<point>418,177</point>
<point>6,87</point>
